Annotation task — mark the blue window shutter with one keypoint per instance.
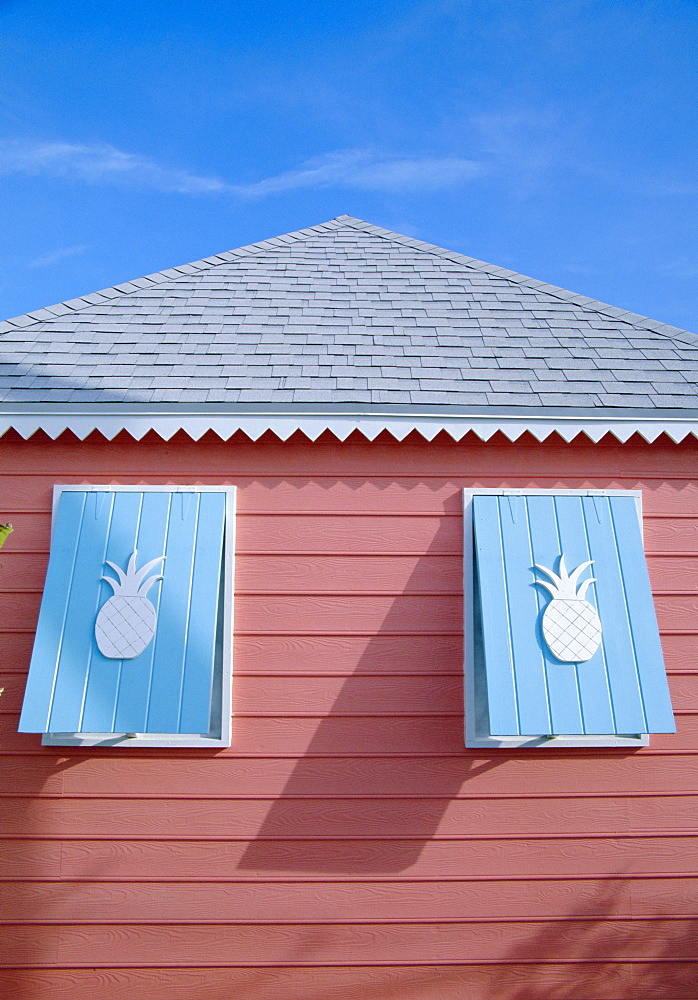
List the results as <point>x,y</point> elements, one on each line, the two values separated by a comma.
<point>622,688</point>
<point>167,688</point>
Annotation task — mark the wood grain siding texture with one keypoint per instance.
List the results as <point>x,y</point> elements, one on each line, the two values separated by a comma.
<point>347,845</point>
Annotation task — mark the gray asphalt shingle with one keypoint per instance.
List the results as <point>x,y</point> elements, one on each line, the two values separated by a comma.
<point>345,312</point>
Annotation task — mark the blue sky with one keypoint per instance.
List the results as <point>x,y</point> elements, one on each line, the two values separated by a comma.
<point>554,137</point>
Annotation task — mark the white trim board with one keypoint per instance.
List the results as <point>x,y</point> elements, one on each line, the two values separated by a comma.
<point>341,420</point>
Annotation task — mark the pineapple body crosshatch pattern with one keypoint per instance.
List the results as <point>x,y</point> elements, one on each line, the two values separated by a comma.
<point>126,624</point>
<point>134,641</point>
<point>570,624</point>
<point>556,657</point>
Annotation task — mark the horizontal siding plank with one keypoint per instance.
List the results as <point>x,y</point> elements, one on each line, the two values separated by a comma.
<point>22,491</point>
<point>357,695</point>
<point>32,532</point>
<point>12,742</point>
<point>271,655</point>
<point>356,737</point>
<point>348,533</point>
<point>680,652</point>
<point>527,978</point>
<point>330,574</point>
<point>670,494</point>
<point>361,902</point>
<point>435,492</point>
<point>524,462</point>
<point>679,612</point>
<point>393,574</point>
<point>378,944</point>
<point>399,534</point>
<point>278,614</point>
<point>465,776</point>
<point>22,570</point>
<point>31,775</point>
<point>418,818</point>
<point>438,860</point>
<point>16,650</point>
<point>441,493</point>
<point>321,695</point>
<point>404,495</point>
<point>278,655</point>
<point>27,858</point>
<point>310,542</point>
<point>674,572</point>
<point>12,691</point>
<point>459,776</point>
<point>282,655</point>
<point>406,534</point>
<point>21,611</point>
<point>673,535</point>
<point>348,615</point>
<point>684,691</point>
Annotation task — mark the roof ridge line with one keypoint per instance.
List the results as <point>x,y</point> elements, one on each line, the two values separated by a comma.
<point>71,306</point>
<point>636,320</point>
<point>48,313</point>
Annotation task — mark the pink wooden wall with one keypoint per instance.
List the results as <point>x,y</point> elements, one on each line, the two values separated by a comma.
<point>347,846</point>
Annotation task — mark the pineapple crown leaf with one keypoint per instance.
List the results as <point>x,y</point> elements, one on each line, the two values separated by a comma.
<point>564,584</point>
<point>133,582</point>
<point>583,587</point>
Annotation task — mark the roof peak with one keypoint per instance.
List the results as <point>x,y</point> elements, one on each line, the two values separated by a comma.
<point>70,306</point>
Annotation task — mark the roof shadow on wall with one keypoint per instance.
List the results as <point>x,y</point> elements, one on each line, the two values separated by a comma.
<point>379,780</point>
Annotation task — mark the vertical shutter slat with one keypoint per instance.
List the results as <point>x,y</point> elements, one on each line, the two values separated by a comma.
<point>529,666</point>
<point>172,637</point>
<point>503,709</point>
<point>591,676</point>
<point>643,620</point>
<point>77,642</point>
<point>103,673</point>
<point>612,594</point>
<point>134,681</point>
<point>563,690</point>
<point>199,660</point>
<point>38,697</point>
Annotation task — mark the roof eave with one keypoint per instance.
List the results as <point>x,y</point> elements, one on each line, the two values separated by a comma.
<point>341,420</point>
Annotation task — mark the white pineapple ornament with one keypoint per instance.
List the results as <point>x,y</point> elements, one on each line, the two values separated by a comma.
<point>571,626</point>
<point>126,623</point>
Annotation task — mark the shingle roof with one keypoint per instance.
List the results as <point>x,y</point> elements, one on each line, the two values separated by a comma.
<point>345,313</point>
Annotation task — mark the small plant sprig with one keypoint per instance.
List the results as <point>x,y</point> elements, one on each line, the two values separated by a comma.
<point>5,529</point>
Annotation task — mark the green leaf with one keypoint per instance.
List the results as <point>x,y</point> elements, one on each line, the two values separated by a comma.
<point>5,529</point>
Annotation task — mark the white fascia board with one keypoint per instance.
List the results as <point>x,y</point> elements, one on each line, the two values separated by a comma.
<point>341,420</point>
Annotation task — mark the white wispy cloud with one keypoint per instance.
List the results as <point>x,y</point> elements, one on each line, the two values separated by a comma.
<point>358,168</point>
<point>46,259</point>
<point>99,162</point>
<point>348,168</point>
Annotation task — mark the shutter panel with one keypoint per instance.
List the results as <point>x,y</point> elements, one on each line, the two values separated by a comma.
<point>622,688</point>
<point>167,687</point>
